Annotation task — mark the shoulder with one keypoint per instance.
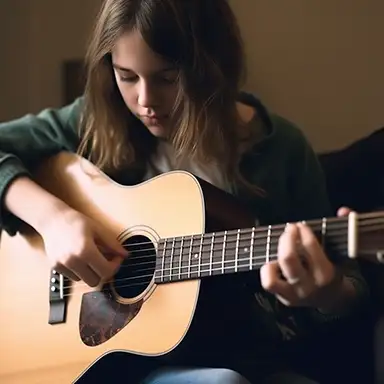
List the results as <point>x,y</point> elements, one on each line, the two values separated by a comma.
<point>288,149</point>
<point>288,137</point>
<point>68,111</point>
<point>66,117</point>
<point>73,111</point>
<point>284,164</point>
<point>279,139</point>
<point>276,128</point>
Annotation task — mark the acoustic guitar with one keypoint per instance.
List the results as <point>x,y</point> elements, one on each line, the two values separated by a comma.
<point>178,230</point>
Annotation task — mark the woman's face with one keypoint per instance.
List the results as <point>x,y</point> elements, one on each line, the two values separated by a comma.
<point>146,82</point>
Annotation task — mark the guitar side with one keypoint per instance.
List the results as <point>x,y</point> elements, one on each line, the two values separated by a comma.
<point>32,350</point>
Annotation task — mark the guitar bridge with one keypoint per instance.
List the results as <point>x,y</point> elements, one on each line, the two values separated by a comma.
<point>57,298</point>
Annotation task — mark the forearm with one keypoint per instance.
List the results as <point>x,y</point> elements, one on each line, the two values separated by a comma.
<point>349,295</point>
<point>342,298</point>
<point>31,203</point>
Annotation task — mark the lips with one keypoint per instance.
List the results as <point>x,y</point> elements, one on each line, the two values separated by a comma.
<point>154,116</point>
<point>153,120</point>
<point>150,120</point>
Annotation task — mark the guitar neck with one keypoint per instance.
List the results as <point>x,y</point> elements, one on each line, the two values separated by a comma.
<point>242,250</point>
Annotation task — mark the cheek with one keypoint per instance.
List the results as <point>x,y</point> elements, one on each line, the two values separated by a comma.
<point>129,96</point>
<point>169,96</point>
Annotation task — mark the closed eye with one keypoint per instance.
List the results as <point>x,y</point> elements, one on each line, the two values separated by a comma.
<point>128,79</point>
<point>157,79</point>
<point>167,80</point>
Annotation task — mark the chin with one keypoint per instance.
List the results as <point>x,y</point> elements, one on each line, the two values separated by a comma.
<point>157,131</point>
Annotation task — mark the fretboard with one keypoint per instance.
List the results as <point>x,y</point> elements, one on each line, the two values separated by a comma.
<point>242,250</point>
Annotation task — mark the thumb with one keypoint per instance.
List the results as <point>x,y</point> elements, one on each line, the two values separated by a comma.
<point>114,262</point>
<point>107,242</point>
<point>343,211</point>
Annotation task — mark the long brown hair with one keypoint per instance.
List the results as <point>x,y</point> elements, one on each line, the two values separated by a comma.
<point>202,38</point>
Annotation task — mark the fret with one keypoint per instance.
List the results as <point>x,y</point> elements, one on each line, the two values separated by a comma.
<point>323,231</point>
<point>244,254</point>
<point>211,254</point>
<point>218,254</point>
<point>205,255</point>
<point>223,252</point>
<point>251,249</point>
<point>171,259</point>
<point>200,254</point>
<point>230,252</point>
<point>163,259</point>
<point>190,257</point>
<point>237,250</point>
<point>195,257</point>
<point>268,246</point>
<point>179,269</point>
<point>181,256</point>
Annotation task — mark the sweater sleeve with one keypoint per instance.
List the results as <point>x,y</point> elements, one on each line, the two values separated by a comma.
<point>310,201</point>
<point>26,141</point>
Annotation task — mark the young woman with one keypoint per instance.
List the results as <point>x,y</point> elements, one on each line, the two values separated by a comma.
<point>163,93</point>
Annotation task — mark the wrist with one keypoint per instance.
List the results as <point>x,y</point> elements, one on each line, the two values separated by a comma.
<point>53,208</point>
<point>339,296</point>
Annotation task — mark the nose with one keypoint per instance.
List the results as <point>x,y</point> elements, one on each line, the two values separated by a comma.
<point>146,97</point>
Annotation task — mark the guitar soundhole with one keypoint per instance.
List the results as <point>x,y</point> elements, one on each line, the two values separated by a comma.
<point>137,271</point>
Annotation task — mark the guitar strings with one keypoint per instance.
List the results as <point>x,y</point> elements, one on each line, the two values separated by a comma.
<point>179,249</point>
<point>187,240</point>
<point>256,260</point>
<point>204,252</point>
<point>367,224</point>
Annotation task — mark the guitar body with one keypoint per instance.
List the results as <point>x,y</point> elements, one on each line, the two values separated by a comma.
<point>97,321</point>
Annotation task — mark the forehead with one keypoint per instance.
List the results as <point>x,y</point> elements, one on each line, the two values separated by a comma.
<point>132,52</point>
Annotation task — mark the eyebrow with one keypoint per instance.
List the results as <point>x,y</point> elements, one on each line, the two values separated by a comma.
<point>120,68</point>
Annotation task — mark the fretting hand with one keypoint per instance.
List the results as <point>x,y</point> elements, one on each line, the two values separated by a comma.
<point>303,275</point>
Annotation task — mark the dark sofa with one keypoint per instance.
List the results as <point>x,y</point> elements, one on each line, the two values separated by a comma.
<point>355,174</point>
<point>355,178</point>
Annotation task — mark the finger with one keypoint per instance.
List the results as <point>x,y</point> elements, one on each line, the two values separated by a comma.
<point>104,267</point>
<point>288,259</point>
<point>108,253</point>
<point>288,294</point>
<point>106,240</point>
<point>343,211</point>
<point>319,265</point>
<point>272,282</point>
<point>291,263</point>
<point>84,271</point>
<point>309,244</point>
<point>59,268</point>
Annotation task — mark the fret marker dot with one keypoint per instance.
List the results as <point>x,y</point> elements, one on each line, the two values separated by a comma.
<point>246,250</point>
<point>196,255</point>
